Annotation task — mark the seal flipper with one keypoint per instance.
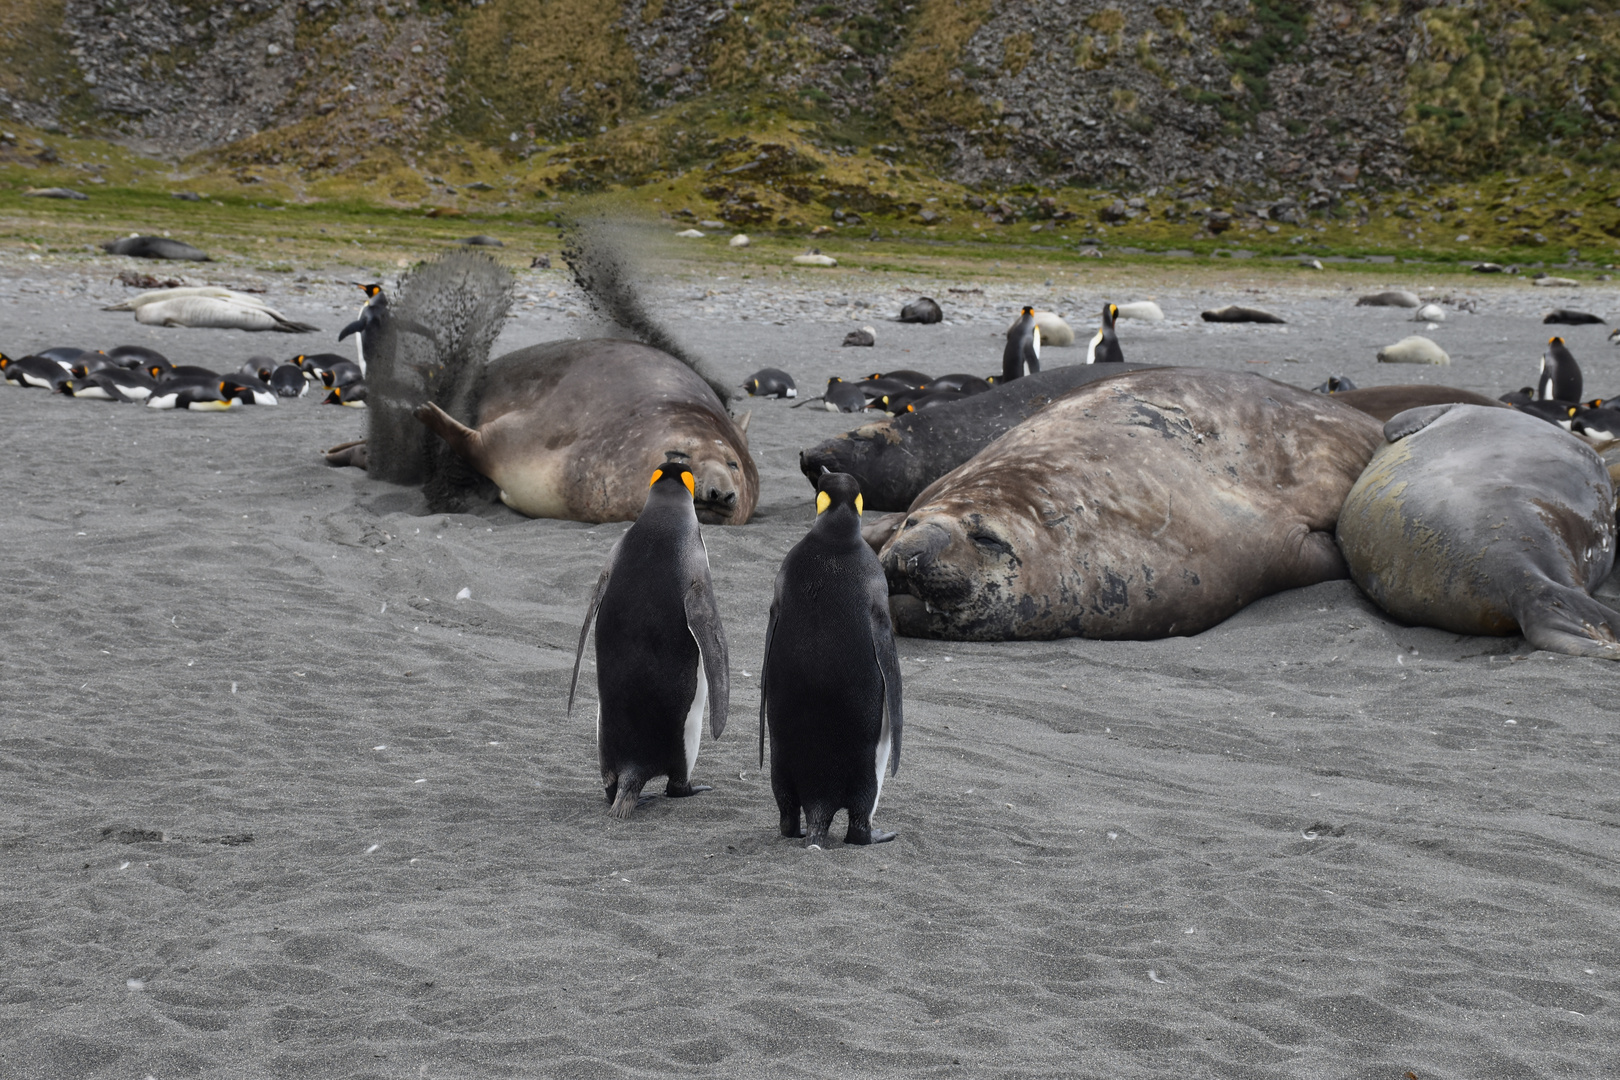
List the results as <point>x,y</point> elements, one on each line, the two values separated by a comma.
<point>465,441</point>
<point>1413,421</point>
<point>1563,619</point>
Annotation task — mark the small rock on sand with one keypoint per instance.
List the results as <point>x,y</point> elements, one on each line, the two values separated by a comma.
<point>740,240</point>
<point>864,336</point>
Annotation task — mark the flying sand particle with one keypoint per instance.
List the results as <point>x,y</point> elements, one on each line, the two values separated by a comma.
<point>1154,977</point>
<point>372,848</point>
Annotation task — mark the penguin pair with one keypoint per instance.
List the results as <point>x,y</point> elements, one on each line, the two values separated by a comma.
<point>1104,347</point>
<point>661,654</point>
<point>830,690</point>
<point>114,384</point>
<point>1022,354</point>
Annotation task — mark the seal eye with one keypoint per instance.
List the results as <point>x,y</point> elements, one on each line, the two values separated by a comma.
<point>991,544</point>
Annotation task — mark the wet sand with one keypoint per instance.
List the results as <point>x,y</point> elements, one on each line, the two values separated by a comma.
<point>277,803</point>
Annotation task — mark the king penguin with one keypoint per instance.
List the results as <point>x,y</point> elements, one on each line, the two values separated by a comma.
<point>830,683</point>
<point>1104,348</point>
<point>661,651</point>
<point>1022,356</point>
<point>1560,378</point>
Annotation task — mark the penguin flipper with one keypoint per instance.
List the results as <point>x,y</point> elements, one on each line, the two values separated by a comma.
<point>353,328</point>
<point>703,620</point>
<point>590,616</point>
<point>888,661</point>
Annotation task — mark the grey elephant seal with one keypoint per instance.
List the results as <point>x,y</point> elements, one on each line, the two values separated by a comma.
<point>1393,298</point>
<point>1235,314</point>
<point>924,309</point>
<point>1152,504</point>
<point>895,459</point>
<point>1383,402</point>
<point>155,247</point>
<point>572,429</point>
<point>1486,521</point>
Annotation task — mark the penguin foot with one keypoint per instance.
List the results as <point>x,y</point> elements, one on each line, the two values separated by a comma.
<point>790,826</point>
<point>683,790</point>
<point>868,835</point>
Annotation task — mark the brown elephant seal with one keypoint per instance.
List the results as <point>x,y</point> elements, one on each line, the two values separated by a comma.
<point>1151,504</point>
<point>1383,402</point>
<point>895,459</point>
<point>1486,521</point>
<point>572,429</point>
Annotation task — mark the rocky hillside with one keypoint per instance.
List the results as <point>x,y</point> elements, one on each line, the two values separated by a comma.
<point>993,93</point>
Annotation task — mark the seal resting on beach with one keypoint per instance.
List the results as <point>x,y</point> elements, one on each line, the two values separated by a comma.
<point>1152,504</point>
<point>1486,521</point>
<point>572,429</point>
<point>895,459</point>
<point>1383,402</point>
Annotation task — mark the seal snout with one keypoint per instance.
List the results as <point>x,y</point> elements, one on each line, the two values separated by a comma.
<point>917,563</point>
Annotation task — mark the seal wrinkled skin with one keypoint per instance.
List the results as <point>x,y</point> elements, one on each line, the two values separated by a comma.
<point>573,429</point>
<point>1153,504</point>
<point>1486,521</point>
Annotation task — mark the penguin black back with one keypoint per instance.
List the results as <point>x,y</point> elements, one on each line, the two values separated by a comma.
<point>1022,356</point>
<point>830,683</point>
<point>1560,378</point>
<point>660,649</point>
<point>1104,348</point>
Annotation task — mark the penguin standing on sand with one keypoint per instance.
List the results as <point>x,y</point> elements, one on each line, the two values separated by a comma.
<point>1104,348</point>
<point>661,652</point>
<point>1560,378</point>
<point>1022,356</point>
<point>830,683</point>
<point>370,322</point>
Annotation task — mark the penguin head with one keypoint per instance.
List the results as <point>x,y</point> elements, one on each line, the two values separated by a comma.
<point>1555,341</point>
<point>371,289</point>
<point>1113,312</point>
<point>835,380</point>
<point>838,490</point>
<point>671,476</point>
<point>1028,310</point>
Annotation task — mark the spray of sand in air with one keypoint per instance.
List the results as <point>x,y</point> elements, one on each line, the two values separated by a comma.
<point>447,314</point>
<point>604,257</point>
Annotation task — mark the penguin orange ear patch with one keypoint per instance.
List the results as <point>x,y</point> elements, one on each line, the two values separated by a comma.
<point>691,485</point>
<point>823,500</point>
<point>657,474</point>
<point>860,504</point>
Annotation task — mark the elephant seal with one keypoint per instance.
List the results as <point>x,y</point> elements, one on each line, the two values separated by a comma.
<point>155,247</point>
<point>895,459</point>
<point>1392,298</point>
<point>924,309</point>
<point>1383,402</point>
<point>1235,314</point>
<point>1415,349</point>
<point>1152,504</point>
<point>572,429</point>
<point>1486,521</point>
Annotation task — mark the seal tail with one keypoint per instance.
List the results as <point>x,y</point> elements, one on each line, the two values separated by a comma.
<point>1566,620</point>
<point>452,309</point>
<point>598,253</point>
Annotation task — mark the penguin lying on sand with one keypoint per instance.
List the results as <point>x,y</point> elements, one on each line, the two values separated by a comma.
<point>830,684</point>
<point>661,652</point>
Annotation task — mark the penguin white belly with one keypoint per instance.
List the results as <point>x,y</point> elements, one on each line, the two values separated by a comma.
<point>1091,350</point>
<point>694,715</point>
<point>360,352</point>
<point>881,759</point>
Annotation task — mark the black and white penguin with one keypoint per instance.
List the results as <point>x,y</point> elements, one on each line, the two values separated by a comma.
<point>288,381</point>
<point>1562,413</point>
<point>353,395</point>
<point>1560,378</point>
<point>840,396</point>
<point>136,357</point>
<point>200,395</point>
<point>91,362</point>
<point>661,654</point>
<point>115,384</point>
<point>313,365</point>
<point>64,355</point>
<point>928,399</point>
<point>247,390</point>
<point>1597,419</point>
<point>830,683</point>
<point>968,384</point>
<point>37,372</point>
<point>1022,356</point>
<point>1104,347</point>
<point>772,383</point>
<point>913,379</point>
<point>257,367</point>
<point>182,372</point>
<point>369,323</point>
<point>342,374</point>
